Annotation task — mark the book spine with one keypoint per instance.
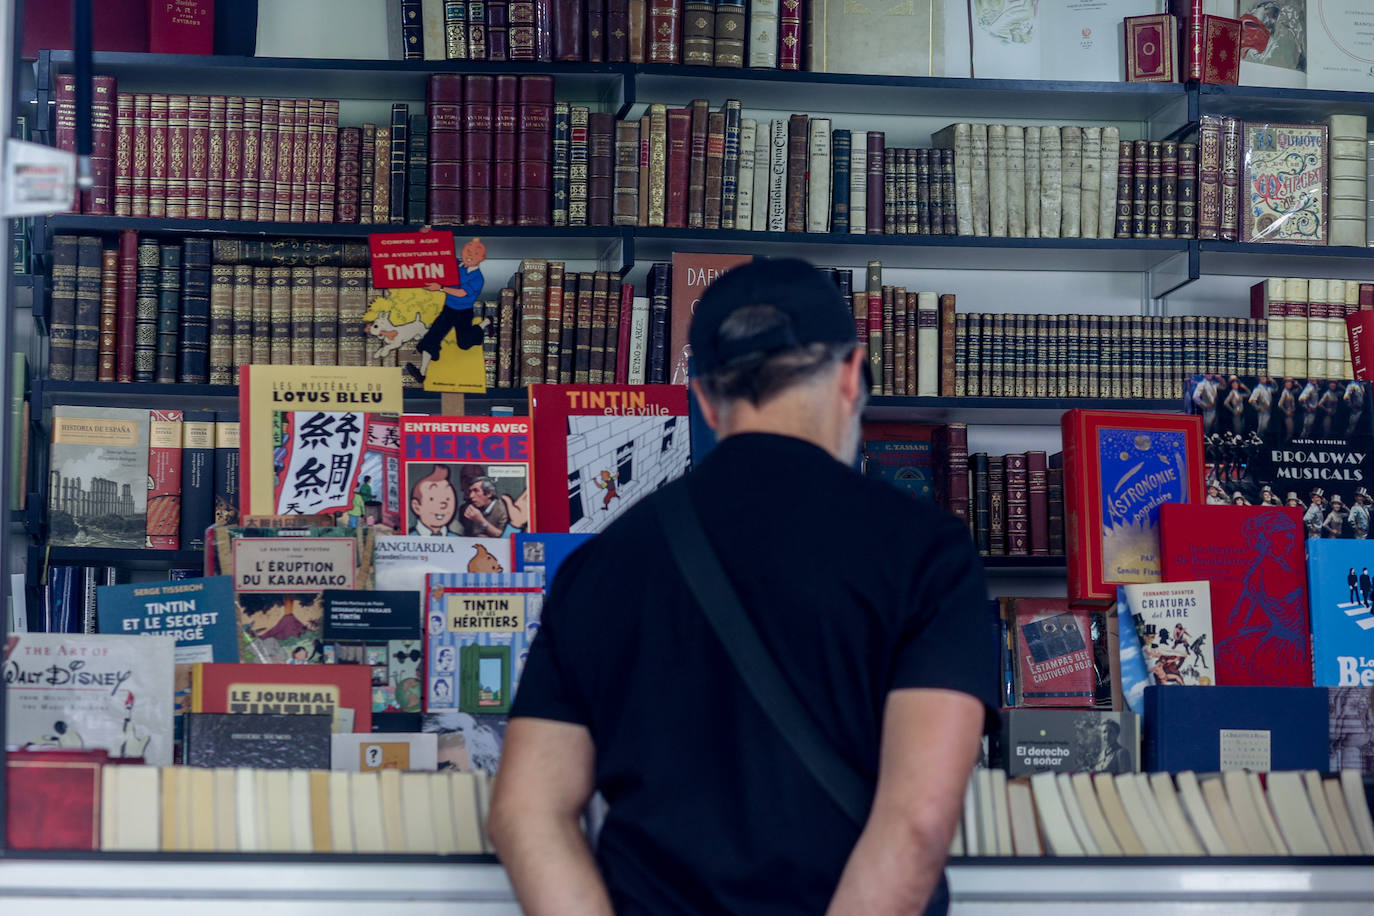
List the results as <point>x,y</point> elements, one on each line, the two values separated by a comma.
<point>1230,179</point>
<point>790,37</point>
<point>163,326</point>
<point>1037,488</point>
<point>1017,506</point>
<point>505,150</point>
<point>124,154</point>
<point>1154,209</point>
<point>252,158</point>
<point>679,125</point>
<point>289,113</point>
<point>302,316</point>
<point>534,308</point>
<point>478,115</point>
<point>1209,178</point>
<point>889,340</point>
<point>665,27</point>
<point>1140,204</point>
<point>1186,209</point>
<point>579,168</point>
<point>1090,192</point>
<point>1108,182</point>
<point>197,156</point>
<point>696,169</point>
<point>325,316</point>
<point>698,32</point>
<point>195,312</point>
<point>535,151</point>
<point>381,177</point>
<point>242,352</point>
<point>561,152</point>
<point>477,30</point>
<point>715,170</point>
<point>777,177</point>
<point>627,155</point>
<point>109,316</point>
<point>997,506</point>
<point>638,16</point>
<point>729,191</point>
<point>350,176</point>
<point>215,156</point>
<point>498,30</point>
<point>445,110</point>
<point>818,176</point>
<point>417,171</point>
<point>261,333</point>
<point>730,32</point>
<point>875,317</point>
<point>927,345</point>
<point>521,30</point>
<point>763,34</point>
<point>955,446</point>
<point>141,155</point>
<point>744,185</point>
<point>456,29</point>
<point>981,507</point>
<point>230,193</point>
<point>126,303</point>
<point>950,358</point>
<point>858,182</point>
<point>600,168</point>
<point>279,296</point>
<point>197,478</point>
<point>221,324</point>
<point>841,156</point>
<point>86,323</point>
<point>797,128</point>
<point>177,153</point>
<point>99,200</point>
<point>997,179</point>
<point>873,186</point>
<point>1125,190</point>
<point>329,153</point>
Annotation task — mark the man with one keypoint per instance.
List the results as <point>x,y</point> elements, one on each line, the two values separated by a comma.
<point>1359,514</point>
<point>457,313</point>
<point>1262,399</point>
<point>484,516</point>
<point>1313,517</point>
<point>1333,526</point>
<point>433,503</point>
<point>1205,397</point>
<point>1366,586</point>
<point>629,690</point>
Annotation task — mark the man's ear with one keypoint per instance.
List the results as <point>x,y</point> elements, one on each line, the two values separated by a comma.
<point>852,375</point>
<point>708,410</point>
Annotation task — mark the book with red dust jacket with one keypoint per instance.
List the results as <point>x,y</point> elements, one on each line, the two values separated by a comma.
<point>1254,558</point>
<point>53,799</point>
<point>1119,468</point>
<point>303,690</point>
<point>1054,657</point>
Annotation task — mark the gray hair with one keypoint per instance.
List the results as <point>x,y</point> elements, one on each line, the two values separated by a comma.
<point>759,377</point>
<point>487,484</point>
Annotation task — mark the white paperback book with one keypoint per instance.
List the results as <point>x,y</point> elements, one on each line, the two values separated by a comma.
<point>763,174</point>
<point>858,183</point>
<point>744,185</point>
<point>1340,45</point>
<point>639,339</point>
<point>358,29</point>
<point>818,176</point>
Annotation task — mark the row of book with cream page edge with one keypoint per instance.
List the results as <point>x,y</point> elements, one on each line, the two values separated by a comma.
<point>1231,813</point>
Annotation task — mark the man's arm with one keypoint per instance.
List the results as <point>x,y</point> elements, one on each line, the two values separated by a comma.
<point>929,745</point>
<point>545,780</point>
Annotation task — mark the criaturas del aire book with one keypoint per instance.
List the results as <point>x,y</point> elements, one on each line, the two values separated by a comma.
<point>1119,468</point>
<point>603,447</point>
<point>1173,623</point>
<point>95,692</point>
<point>468,476</point>
<point>1341,595</point>
<point>1253,558</point>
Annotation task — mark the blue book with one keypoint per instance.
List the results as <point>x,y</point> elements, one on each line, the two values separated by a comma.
<point>545,552</point>
<point>198,613</point>
<point>1206,729</point>
<point>1134,677</point>
<point>1340,595</point>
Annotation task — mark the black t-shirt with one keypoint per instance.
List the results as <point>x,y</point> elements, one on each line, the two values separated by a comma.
<point>854,589</point>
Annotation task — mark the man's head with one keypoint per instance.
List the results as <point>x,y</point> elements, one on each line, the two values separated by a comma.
<point>775,351</point>
<point>474,253</point>
<point>432,499</point>
<point>481,491</point>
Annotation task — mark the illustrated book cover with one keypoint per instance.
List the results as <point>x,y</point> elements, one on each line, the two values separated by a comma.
<point>383,631</point>
<point>1067,741</point>
<point>266,390</point>
<point>1351,728</point>
<point>342,692</point>
<point>603,447</point>
<point>98,477</point>
<point>1173,623</point>
<point>543,553</point>
<point>468,476</point>
<point>1298,442</point>
<point>1253,558</point>
<point>1340,590</point>
<point>343,464</point>
<point>1054,656</point>
<point>1130,661</point>
<point>279,577</point>
<point>902,454</point>
<point>1208,729</point>
<point>692,273</point>
<point>479,630</point>
<point>77,692</point>
<point>1284,183</point>
<point>1119,468</point>
<point>466,742</point>
<point>403,560</point>
<point>390,751</point>
<point>262,741</point>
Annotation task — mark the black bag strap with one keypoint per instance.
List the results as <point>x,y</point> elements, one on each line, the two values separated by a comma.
<point>700,566</point>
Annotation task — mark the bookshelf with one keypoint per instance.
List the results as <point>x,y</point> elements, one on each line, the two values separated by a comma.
<point>1164,267</point>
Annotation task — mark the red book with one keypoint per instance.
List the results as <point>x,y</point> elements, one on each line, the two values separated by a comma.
<point>692,273</point>
<point>445,108</point>
<point>164,479</point>
<point>198,155</point>
<point>1151,48</point>
<point>1054,662</point>
<point>214,181</point>
<point>1038,481</point>
<point>1253,556</point>
<point>314,153</point>
<point>178,109</point>
<point>300,149</point>
<point>281,177</point>
<point>350,174</point>
<point>790,35</point>
<point>679,167</point>
<point>1119,467</point>
<point>665,32</point>
<point>568,16</point>
<point>874,188</point>
<point>521,32</point>
<point>124,155</point>
<point>478,97</point>
<point>267,160</point>
<point>99,200</point>
<point>126,310</point>
<point>1220,50</point>
<point>1367,297</point>
<point>600,167</point>
<point>158,113</point>
<point>116,25</point>
<point>226,687</point>
<point>1189,14</point>
<point>232,207</point>
<point>1017,505</point>
<point>329,153</point>
<point>498,30</point>
<point>181,26</point>
<point>503,166</point>
<point>535,151</point>
<point>53,799</point>
<point>559,411</point>
<point>252,151</point>
<point>622,348</point>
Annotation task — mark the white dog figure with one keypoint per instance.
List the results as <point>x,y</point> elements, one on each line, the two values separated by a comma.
<point>393,336</point>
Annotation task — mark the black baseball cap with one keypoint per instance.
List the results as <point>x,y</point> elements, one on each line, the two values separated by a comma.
<point>810,299</point>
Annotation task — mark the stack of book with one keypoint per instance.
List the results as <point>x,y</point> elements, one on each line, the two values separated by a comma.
<point>1156,196</point>
<point>1306,333</point>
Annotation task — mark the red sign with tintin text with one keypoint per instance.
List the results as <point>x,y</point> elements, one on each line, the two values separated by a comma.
<point>402,260</point>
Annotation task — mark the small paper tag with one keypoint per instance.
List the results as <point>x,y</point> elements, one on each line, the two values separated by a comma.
<point>38,179</point>
<point>1245,749</point>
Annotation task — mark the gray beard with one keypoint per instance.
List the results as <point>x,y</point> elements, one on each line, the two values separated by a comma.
<point>853,434</point>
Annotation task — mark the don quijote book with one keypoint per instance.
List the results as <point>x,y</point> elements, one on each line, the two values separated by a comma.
<point>469,477</point>
<point>1119,468</point>
<point>602,448</point>
<point>1284,183</point>
<point>74,692</point>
